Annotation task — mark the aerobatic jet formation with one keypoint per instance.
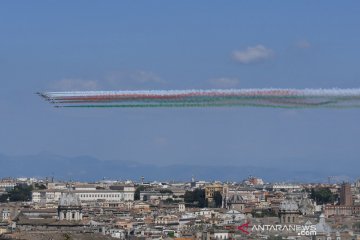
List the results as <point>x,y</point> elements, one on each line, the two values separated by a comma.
<point>278,98</point>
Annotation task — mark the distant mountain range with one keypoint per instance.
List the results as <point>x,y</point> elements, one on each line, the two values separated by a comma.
<point>90,168</point>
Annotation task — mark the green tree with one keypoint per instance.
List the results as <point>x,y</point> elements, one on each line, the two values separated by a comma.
<point>197,196</point>
<point>217,199</point>
<point>4,197</point>
<point>166,191</point>
<point>21,193</point>
<point>323,195</point>
<point>169,200</point>
<point>275,238</point>
<point>67,236</point>
<point>137,192</point>
<point>40,186</point>
<point>171,234</point>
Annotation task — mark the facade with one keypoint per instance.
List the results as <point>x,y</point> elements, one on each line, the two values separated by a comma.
<point>221,235</point>
<point>287,187</point>
<point>112,196</point>
<point>236,202</point>
<point>3,229</point>
<point>8,211</point>
<point>210,191</point>
<point>289,212</point>
<point>233,216</point>
<point>7,184</point>
<point>182,207</point>
<point>70,207</point>
<point>346,195</point>
<point>154,195</point>
<point>341,210</point>
<point>5,215</point>
<point>166,219</point>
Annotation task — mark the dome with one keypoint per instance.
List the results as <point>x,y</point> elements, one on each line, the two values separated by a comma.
<point>306,206</point>
<point>236,199</point>
<point>288,205</point>
<point>234,215</point>
<point>322,226</point>
<point>69,199</point>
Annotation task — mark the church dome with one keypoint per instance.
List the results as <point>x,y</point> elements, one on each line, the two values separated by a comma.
<point>322,226</point>
<point>288,205</point>
<point>236,198</point>
<point>306,207</point>
<point>69,199</point>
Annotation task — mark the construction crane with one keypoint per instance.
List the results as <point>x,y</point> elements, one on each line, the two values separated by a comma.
<point>336,179</point>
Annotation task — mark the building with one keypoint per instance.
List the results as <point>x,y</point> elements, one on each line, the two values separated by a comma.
<point>167,220</point>
<point>182,207</point>
<point>155,195</point>
<point>5,215</point>
<point>210,191</point>
<point>7,184</point>
<point>324,231</point>
<point>52,196</point>
<point>341,210</point>
<point>289,212</point>
<point>8,211</point>
<point>233,216</point>
<point>307,206</point>
<point>236,202</point>
<point>3,228</point>
<point>346,195</point>
<point>70,207</point>
<point>255,181</point>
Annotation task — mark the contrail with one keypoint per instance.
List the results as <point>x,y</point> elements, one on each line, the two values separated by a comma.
<point>272,97</point>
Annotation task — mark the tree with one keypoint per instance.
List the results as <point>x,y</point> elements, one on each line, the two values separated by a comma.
<point>137,192</point>
<point>21,193</point>
<point>275,238</point>
<point>166,191</point>
<point>171,234</point>
<point>67,236</point>
<point>323,195</point>
<point>218,199</point>
<point>40,186</point>
<point>197,196</point>
<point>169,200</point>
<point>4,197</point>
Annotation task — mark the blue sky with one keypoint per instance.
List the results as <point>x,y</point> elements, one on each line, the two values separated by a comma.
<point>97,45</point>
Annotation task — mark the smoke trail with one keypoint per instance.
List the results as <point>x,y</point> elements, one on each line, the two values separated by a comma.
<point>279,98</point>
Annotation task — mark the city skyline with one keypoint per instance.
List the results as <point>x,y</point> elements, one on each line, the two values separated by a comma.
<point>190,45</point>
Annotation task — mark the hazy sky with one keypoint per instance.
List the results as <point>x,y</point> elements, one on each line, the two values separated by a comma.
<point>95,45</point>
